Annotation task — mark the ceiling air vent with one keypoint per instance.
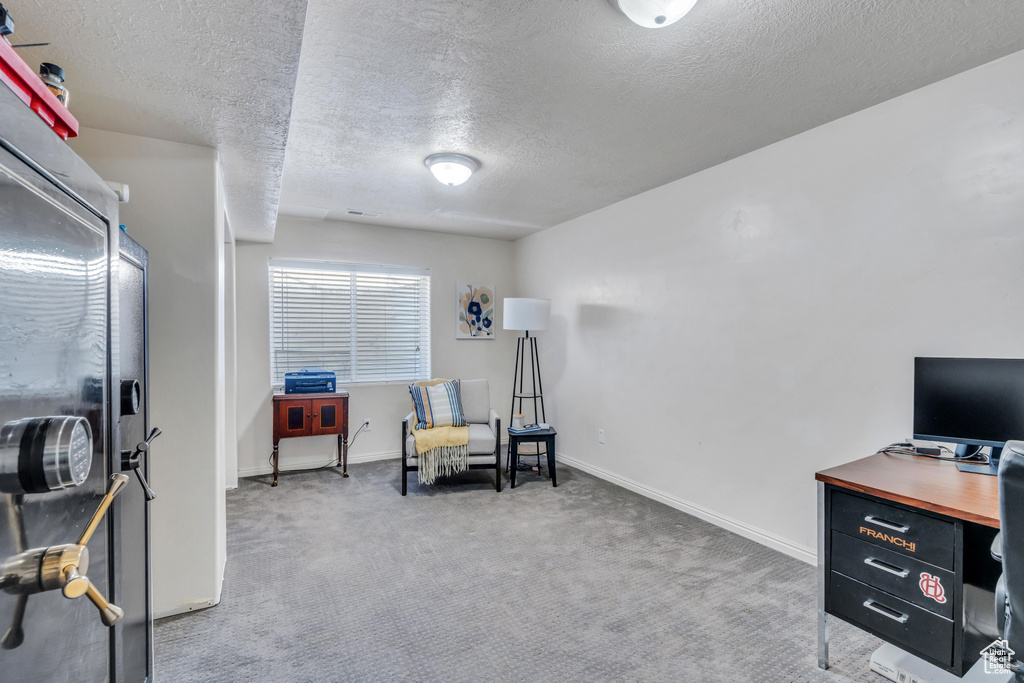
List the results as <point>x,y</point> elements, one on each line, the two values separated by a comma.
<point>362,214</point>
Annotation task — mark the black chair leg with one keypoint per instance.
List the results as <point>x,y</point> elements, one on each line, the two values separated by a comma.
<point>405,464</point>
<point>497,455</point>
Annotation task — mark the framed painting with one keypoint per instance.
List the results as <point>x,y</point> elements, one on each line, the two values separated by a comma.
<point>475,314</point>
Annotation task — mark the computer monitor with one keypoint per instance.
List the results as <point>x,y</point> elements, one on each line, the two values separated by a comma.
<point>969,402</point>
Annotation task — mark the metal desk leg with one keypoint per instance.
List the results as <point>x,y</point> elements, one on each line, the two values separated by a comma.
<point>275,464</point>
<point>343,453</point>
<point>823,618</point>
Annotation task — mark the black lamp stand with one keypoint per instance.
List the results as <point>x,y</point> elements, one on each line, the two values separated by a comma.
<point>534,390</point>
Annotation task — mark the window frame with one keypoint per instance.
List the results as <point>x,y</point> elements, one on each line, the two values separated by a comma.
<point>353,269</point>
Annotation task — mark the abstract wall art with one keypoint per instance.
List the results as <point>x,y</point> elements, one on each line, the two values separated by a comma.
<point>475,311</point>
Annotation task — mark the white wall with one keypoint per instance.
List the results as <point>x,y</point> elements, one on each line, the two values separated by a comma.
<point>230,370</point>
<point>450,259</point>
<point>176,213</point>
<point>219,476</point>
<point>739,329</point>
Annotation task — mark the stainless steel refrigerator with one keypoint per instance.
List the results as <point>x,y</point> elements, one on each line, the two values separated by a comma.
<point>74,521</point>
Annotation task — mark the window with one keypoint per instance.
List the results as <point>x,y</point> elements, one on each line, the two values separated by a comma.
<point>366,323</point>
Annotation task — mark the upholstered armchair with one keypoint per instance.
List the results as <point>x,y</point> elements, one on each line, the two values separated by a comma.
<point>484,433</point>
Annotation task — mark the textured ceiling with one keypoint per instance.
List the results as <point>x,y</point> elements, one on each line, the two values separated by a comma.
<point>219,73</point>
<point>570,107</point>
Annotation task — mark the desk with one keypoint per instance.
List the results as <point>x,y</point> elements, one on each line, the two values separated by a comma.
<point>545,436</point>
<point>903,553</point>
<point>298,415</point>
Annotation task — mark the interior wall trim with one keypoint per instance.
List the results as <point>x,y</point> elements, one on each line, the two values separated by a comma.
<point>190,606</point>
<point>799,552</point>
<point>308,463</point>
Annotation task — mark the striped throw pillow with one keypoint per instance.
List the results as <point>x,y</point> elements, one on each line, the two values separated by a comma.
<point>438,406</point>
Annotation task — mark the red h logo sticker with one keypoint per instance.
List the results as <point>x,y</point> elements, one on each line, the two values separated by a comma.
<point>932,588</point>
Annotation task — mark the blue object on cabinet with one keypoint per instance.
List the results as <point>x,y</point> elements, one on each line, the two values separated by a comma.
<point>309,381</point>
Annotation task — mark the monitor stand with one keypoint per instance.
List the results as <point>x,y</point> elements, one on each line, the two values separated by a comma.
<point>991,467</point>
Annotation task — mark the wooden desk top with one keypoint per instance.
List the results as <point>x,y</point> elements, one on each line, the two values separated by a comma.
<point>340,393</point>
<point>924,483</point>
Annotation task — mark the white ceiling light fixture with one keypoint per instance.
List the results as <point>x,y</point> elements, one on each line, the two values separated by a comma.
<point>654,13</point>
<point>451,169</point>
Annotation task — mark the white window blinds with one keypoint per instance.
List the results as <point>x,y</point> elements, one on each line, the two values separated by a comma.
<point>366,323</point>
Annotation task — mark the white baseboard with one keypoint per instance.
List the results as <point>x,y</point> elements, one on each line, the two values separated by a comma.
<point>187,607</point>
<point>373,457</point>
<point>799,552</point>
<point>308,464</point>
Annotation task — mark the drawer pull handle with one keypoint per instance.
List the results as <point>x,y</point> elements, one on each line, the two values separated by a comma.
<point>886,612</point>
<point>872,562</point>
<point>902,528</point>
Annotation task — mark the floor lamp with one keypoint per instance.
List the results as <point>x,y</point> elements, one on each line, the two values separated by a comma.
<point>526,315</point>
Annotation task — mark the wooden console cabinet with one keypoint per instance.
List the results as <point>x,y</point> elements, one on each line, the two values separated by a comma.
<point>312,415</point>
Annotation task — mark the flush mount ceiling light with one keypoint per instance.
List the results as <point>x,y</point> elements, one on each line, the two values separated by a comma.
<point>451,169</point>
<point>654,13</point>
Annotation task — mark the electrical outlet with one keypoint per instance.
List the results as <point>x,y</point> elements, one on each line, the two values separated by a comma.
<point>600,436</point>
<point>366,425</point>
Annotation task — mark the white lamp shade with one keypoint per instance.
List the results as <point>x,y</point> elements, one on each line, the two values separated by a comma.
<point>655,13</point>
<point>526,314</point>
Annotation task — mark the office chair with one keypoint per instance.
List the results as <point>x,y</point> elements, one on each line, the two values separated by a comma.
<point>1008,547</point>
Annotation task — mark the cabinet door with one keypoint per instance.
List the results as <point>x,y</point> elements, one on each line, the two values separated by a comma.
<point>330,415</point>
<point>131,520</point>
<point>294,417</point>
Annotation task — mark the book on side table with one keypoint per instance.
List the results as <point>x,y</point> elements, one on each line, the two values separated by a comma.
<point>529,429</point>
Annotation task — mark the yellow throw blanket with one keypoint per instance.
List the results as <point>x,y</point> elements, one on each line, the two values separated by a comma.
<point>442,450</point>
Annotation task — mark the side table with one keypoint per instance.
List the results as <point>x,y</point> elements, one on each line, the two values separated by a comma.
<point>545,436</point>
<point>312,415</point>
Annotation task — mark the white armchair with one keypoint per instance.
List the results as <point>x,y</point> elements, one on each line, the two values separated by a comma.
<point>484,433</point>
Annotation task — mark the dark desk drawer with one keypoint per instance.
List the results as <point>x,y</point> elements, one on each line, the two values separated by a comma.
<point>901,623</point>
<point>896,574</point>
<point>909,533</point>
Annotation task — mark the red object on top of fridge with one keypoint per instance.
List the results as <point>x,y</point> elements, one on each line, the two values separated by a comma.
<point>17,75</point>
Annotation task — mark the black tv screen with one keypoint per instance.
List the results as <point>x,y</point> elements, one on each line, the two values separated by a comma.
<point>977,401</point>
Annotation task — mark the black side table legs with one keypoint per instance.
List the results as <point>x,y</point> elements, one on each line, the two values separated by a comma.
<point>546,436</point>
